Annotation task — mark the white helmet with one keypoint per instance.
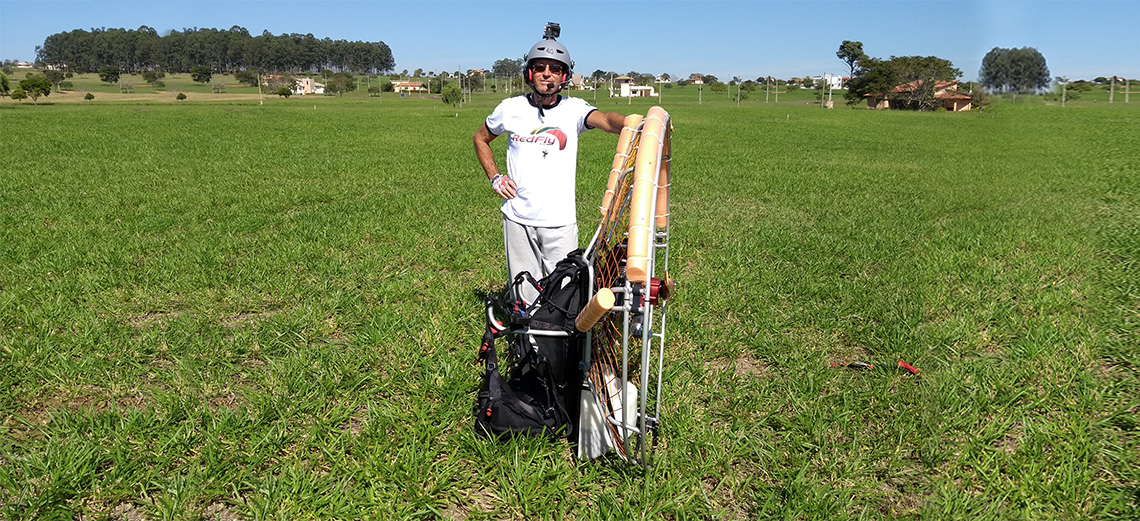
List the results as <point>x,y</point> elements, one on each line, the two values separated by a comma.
<point>550,49</point>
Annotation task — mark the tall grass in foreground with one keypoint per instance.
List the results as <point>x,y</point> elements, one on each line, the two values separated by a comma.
<point>210,311</point>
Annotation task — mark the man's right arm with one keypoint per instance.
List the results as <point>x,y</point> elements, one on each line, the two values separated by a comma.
<point>502,185</point>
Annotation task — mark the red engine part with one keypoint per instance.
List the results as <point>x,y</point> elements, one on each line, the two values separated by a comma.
<point>659,291</point>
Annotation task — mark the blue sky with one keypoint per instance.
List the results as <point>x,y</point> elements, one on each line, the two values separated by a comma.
<point>1079,39</point>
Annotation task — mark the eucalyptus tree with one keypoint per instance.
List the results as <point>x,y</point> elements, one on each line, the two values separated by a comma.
<point>1014,70</point>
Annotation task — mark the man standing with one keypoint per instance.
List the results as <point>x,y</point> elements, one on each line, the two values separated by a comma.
<point>539,212</point>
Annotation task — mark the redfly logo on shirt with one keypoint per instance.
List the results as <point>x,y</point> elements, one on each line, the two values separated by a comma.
<point>543,136</point>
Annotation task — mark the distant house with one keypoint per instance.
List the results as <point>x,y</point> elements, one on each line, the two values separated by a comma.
<point>626,89</point>
<point>945,92</point>
<point>307,86</point>
<point>409,87</point>
<point>301,86</point>
<point>578,82</point>
<point>832,81</point>
<point>640,91</point>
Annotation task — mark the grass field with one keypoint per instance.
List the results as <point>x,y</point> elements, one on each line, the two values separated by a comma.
<point>228,310</point>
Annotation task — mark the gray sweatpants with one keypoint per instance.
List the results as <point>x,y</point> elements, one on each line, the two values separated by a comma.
<point>537,250</point>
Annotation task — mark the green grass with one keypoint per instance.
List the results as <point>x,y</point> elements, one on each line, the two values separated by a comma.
<point>210,310</point>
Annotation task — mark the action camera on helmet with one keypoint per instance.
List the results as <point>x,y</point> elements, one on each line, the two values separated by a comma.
<point>552,31</point>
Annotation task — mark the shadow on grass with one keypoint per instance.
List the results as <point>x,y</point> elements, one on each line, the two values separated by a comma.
<point>482,295</point>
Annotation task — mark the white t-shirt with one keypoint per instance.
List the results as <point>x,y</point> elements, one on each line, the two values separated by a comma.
<point>542,158</point>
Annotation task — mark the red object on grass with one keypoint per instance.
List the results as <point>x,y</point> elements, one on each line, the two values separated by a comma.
<point>909,368</point>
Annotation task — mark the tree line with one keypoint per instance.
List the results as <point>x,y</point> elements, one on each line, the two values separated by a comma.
<point>143,49</point>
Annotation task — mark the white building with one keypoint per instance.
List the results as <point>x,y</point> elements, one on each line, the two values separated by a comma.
<point>626,89</point>
<point>638,91</point>
<point>409,87</point>
<point>578,82</point>
<point>306,86</point>
<point>832,81</point>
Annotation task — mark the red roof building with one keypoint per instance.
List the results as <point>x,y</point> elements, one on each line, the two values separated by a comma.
<point>944,91</point>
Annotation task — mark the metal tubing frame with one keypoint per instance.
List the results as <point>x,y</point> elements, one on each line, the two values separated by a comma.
<point>647,328</point>
<point>660,241</point>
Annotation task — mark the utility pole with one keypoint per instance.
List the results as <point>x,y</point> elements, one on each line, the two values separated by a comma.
<point>822,88</point>
<point>1127,89</point>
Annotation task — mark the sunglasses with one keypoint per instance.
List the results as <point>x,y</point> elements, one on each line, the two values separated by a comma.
<point>554,68</point>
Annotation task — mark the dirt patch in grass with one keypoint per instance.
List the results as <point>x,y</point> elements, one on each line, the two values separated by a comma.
<point>96,400</point>
<point>38,410</point>
<point>719,492</point>
<point>897,502</point>
<point>986,344</point>
<point>246,319</point>
<point>901,490</point>
<point>481,500</point>
<point>333,332</point>
<point>128,512</point>
<point>457,512</point>
<point>843,353</point>
<point>355,424</point>
<point>1109,371</point>
<point>1011,442</point>
<point>228,402</point>
<point>743,365</point>
<point>220,512</point>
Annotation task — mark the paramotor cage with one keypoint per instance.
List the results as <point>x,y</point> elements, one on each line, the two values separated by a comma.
<point>630,288</point>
